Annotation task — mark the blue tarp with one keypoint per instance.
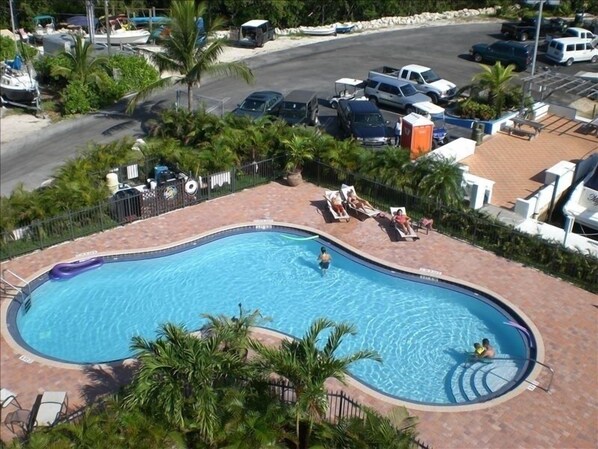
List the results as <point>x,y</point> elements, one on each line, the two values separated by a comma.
<point>79,21</point>
<point>15,64</point>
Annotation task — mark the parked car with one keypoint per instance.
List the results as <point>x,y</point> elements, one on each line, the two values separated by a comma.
<point>526,29</point>
<point>363,121</point>
<point>256,33</point>
<point>393,92</point>
<point>568,50</point>
<point>580,33</point>
<point>260,104</point>
<point>300,107</point>
<point>424,79</point>
<point>516,53</point>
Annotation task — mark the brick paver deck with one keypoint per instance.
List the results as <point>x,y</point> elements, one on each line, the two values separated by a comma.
<point>566,317</point>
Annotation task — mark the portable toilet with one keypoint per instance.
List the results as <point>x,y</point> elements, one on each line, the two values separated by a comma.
<point>416,134</point>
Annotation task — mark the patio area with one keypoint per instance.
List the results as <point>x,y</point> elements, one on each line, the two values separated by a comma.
<point>565,315</point>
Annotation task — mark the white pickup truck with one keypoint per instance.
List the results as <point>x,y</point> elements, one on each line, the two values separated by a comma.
<point>423,78</point>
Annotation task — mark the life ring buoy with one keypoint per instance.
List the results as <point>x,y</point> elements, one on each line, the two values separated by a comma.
<point>191,186</point>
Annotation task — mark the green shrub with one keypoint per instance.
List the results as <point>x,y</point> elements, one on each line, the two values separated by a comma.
<point>134,72</point>
<point>43,67</point>
<point>79,98</point>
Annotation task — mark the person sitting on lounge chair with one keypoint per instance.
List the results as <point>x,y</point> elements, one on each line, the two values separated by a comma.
<point>358,202</point>
<point>403,222</point>
<point>337,204</point>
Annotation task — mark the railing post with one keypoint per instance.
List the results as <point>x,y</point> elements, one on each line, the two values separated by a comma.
<point>340,406</point>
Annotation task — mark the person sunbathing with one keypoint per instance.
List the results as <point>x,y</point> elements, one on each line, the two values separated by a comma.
<point>403,222</point>
<point>358,202</point>
<point>337,204</point>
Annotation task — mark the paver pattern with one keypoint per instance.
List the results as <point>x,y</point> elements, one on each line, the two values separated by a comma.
<point>566,316</point>
<point>517,165</point>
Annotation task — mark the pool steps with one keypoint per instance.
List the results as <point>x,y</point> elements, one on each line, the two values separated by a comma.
<point>472,383</point>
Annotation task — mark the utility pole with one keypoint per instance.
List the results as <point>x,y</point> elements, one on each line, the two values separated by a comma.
<point>91,21</point>
<point>538,24</point>
<point>107,19</point>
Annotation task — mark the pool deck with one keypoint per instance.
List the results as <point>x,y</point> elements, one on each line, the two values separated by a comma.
<point>566,316</point>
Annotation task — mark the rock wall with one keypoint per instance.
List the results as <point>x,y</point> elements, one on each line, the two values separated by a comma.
<point>418,19</point>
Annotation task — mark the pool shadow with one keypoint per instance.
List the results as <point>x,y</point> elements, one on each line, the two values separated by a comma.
<point>106,379</point>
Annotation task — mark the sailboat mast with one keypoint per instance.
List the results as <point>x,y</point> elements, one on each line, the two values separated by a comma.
<point>12,24</point>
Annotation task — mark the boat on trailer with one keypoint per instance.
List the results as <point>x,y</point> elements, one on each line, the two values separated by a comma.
<point>18,84</point>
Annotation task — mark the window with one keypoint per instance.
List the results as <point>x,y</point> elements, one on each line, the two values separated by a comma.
<point>571,47</point>
<point>385,88</point>
<point>580,47</point>
<point>373,84</point>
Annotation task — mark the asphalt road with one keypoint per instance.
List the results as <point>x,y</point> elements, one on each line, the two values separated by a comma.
<point>33,159</point>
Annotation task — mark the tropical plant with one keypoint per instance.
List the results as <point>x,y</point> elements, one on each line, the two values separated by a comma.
<point>181,380</point>
<point>298,149</point>
<point>81,65</point>
<point>306,364</point>
<point>438,178</point>
<point>497,80</point>
<point>373,431</point>
<point>185,58</point>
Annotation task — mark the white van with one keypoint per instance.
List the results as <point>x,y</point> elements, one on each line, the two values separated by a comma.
<point>568,50</point>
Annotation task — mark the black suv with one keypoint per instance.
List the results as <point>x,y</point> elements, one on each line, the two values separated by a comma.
<point>363,121</point>
<point>260,104</point>
<point>300,107</point>
<point>510,52</point>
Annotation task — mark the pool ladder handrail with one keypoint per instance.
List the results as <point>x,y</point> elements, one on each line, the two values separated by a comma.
<point>527,359</point>
<point>14,287</point>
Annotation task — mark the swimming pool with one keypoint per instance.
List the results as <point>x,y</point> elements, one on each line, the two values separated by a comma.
<point>421,327</point>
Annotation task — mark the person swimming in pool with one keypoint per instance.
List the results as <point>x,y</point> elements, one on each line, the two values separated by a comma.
<point>324,259</point>
<point>488,349</point>
<point>478,350</point>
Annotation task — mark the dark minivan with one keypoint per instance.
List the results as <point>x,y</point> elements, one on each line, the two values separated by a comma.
<point>300,107</point>
<point>363,121</point>
<point>510,52</point>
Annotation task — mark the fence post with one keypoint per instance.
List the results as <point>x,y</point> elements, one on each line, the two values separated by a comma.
<point>71,225</point>
<point>318,172</point>
<point>340,406</point>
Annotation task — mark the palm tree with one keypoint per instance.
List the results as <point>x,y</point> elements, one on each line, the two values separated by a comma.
<point>185,58</point>
<point>82,66</point>
<point>497,79</point>
<point>438,178</point>
<point>233,331</point>
<point>181,380</point>
<point>374,431</point>
<point>306,364</point>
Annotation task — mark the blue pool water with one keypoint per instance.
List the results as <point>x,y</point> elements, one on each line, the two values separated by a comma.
<point>421,329</point>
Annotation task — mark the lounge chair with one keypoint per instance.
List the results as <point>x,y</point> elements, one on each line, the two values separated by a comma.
<point>7,397</point>
<point>52,406</point>
<point>402,235</point>
<point>329,194</point>
<point>368,211</point>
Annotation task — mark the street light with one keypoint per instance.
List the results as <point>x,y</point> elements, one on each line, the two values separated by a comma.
<point>538,24</point>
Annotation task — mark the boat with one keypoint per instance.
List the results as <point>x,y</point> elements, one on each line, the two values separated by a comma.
<point>123,37</point>
<point>344,28</point>
<point>18,85</point>
<point>319,31</point>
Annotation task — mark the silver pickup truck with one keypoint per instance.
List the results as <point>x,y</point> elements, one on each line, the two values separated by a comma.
<point>423,78</point>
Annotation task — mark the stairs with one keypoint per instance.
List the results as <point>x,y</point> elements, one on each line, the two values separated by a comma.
<point>480,380</point>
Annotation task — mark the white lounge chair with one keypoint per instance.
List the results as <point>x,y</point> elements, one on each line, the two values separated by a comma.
<point>400,232</point>
<point>52,406</point>
<point>368,211</point>
<point>7,397</point>
<point>329,195</point>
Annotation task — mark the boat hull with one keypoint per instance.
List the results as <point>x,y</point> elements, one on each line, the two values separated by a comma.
<point>319,31</point>
<point>18,95</point>
<point>138,37</point>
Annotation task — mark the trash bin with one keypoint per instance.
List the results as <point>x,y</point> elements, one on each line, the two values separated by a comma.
<point>477,133</point>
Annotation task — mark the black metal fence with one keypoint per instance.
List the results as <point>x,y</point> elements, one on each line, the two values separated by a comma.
<point>469,226</point>
<point>130,205</point>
